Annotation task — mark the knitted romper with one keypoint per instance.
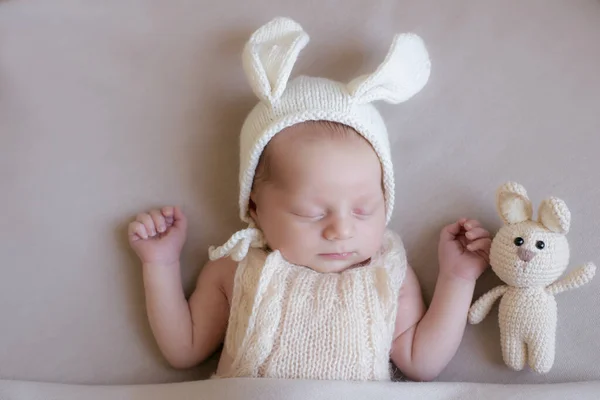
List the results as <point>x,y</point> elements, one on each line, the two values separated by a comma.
<point>288,321</point>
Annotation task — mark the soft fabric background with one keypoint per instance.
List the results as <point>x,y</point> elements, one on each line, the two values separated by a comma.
<point>110,108</point>
<point>272,389</point>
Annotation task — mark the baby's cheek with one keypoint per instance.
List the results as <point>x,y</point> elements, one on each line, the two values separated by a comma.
<point>290,234</point>
<point>299,244</point>
<point>372,237</point>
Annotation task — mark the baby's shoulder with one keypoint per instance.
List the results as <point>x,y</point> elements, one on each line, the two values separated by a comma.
<point>221,273</point>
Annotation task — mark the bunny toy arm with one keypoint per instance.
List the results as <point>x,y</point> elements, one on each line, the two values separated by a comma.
<point>481,308</point>
<point>573,280</point>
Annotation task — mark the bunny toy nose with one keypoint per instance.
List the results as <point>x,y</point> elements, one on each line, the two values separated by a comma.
<point>525,255</point>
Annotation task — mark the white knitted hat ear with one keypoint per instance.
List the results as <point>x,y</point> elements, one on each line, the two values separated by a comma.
<point>513,204</point>
<point>555,215</point>
<point>403,73</point>
<point>269,57</point>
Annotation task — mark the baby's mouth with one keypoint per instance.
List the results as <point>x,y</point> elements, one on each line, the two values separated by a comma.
<point>337,256</point>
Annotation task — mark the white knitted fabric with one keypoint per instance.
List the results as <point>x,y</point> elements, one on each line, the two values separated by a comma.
<point>291,322</point>
<point>268,59</point>
<point>529,256</point>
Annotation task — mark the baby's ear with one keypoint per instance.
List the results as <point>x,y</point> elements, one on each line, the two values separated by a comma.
<point>252,209</point>
<point>513,204</point>
<point>403,73</point>
<point>555,215</point>
<point>270,55</point>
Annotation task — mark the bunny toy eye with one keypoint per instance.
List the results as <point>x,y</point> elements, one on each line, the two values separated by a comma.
<point>540,245</point>
<point>519,241</point>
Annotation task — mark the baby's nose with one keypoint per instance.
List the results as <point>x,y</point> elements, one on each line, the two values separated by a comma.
<point>525,255</point>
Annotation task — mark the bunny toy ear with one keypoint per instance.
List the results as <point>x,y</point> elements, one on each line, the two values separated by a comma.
<point>513,204</point>
<point>403,73</point>
<point>555,215</point>
<point>269,56</point>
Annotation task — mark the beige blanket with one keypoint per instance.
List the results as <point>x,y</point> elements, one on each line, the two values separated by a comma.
<point>248,389</point>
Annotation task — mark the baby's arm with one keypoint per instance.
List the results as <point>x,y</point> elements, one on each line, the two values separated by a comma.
<point>426,341</point>
<point>187,332</point>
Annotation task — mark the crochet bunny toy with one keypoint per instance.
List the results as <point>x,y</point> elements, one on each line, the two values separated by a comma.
<point>529,256</point>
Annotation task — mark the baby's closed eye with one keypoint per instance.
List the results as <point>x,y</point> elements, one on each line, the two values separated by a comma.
<point>363,212</point>
<point>311,214</point>
<point>367,209</point>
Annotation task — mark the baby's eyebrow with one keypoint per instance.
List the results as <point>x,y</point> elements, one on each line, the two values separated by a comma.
<point>369,198</point>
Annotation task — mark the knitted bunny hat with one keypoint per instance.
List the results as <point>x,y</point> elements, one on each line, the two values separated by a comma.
<point>268,58</point>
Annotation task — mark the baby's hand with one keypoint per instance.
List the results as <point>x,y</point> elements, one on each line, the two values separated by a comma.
<point>158,236</point>
<point>464,249</point>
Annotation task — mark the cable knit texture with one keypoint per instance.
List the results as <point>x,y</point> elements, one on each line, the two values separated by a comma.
<point>529,256</point>
<point>291,322</point>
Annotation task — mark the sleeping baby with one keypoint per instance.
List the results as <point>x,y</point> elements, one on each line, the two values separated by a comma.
<point>316,286</point>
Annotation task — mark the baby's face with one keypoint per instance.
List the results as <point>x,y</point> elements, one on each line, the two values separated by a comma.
<point>323,204</point>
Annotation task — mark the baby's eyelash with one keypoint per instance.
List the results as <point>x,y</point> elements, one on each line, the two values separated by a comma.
<point>311,217</point>
<point>362,213</point>
<point>368,210</point>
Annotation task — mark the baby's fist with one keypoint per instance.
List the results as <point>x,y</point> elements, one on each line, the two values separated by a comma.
<point>464,249</point>
<point>158,236</point>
